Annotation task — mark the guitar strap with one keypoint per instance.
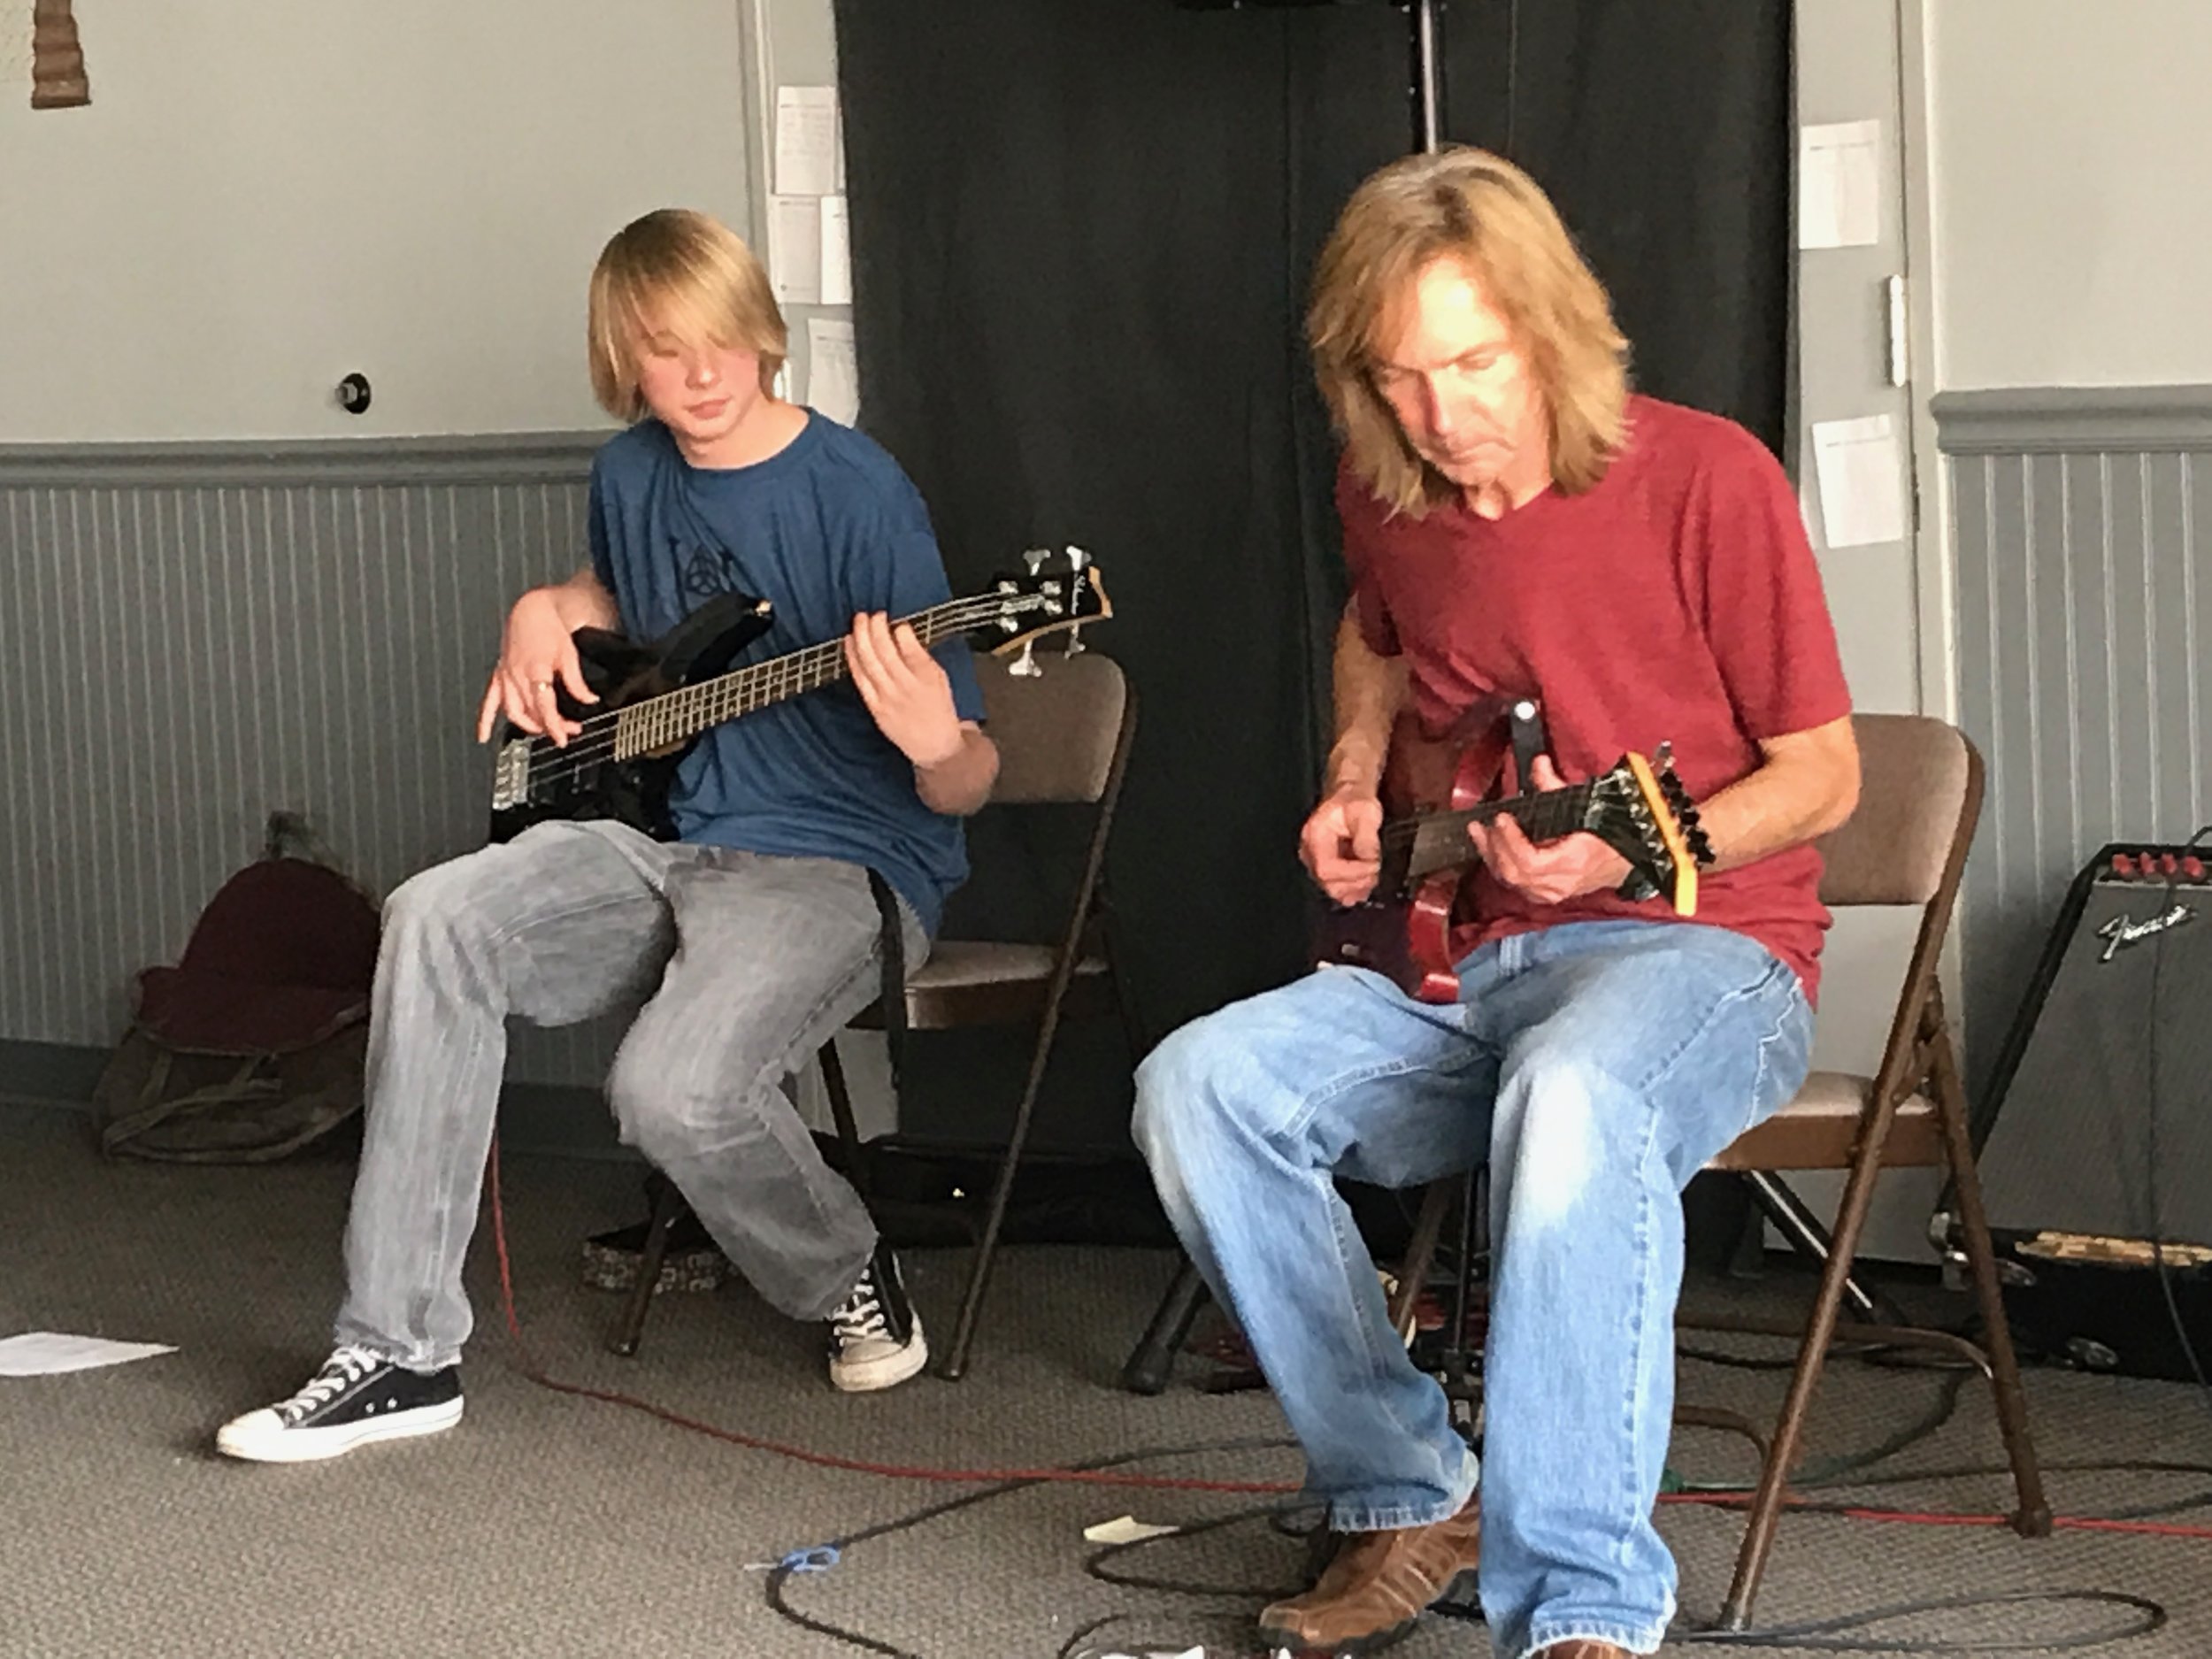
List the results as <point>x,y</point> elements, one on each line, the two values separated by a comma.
<point>893,952</point>
<point>1527,726</point>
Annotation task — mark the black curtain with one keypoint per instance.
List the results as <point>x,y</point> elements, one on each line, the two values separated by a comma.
<point>1661,130</point>
<point>1081,236</point>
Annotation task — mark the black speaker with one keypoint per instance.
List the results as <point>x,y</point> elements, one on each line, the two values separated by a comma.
<point>2094,1135</point>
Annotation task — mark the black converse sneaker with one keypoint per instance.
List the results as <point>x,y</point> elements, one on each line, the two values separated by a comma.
<point>875,1338</point>
<point>358,1396</point>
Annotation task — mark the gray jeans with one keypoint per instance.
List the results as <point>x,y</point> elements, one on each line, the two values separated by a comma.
<point>745,965</point>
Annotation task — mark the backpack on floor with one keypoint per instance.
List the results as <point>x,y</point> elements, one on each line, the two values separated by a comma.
<point>252,1045</point>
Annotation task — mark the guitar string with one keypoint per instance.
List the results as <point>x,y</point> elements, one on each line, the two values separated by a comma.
<point>601,734</point>
<point>1400,832</point>
<point>799,671</point>
<point>1407,831</point>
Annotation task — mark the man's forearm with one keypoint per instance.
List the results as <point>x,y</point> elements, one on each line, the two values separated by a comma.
<point>1807,785</point>
<point>1369,690</point>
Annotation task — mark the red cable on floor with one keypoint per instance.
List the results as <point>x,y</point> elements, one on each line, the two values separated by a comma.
<point>1167,1483</point>
<point>1943,1518</point>
<point>961,1477</point>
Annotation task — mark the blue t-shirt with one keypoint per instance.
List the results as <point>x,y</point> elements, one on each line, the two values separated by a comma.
<point>828,527</point>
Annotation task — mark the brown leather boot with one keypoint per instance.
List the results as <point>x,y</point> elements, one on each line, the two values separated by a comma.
<point>1583,1648</point>
<point>1374,1589</point>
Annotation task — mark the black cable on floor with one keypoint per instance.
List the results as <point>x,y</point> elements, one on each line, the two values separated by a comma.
<point>1094,1564</point>
<point>781,1574</point>
<point>1831,1471</point>
<point>1962,1471</point>
<point>2150,1148</point>
<point>1827,1635</point>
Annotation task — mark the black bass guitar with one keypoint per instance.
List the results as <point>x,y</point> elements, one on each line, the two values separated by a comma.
<point>656,700</point>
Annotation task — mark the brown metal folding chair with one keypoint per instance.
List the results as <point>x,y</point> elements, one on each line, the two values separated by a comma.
<point>1920,796</point>
<point>1063,732</point>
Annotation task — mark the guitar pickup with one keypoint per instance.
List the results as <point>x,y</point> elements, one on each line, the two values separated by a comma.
<point>510,775</point>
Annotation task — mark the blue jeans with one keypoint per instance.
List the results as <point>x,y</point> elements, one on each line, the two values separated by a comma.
<point>1597,1065</point>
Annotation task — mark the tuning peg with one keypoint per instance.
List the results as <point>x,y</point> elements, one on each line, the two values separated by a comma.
<point>1035,559</point>
<point>1663,757</point>
<point>1026,666</point>
<point>1078,558</point>
<point>1076,648</point>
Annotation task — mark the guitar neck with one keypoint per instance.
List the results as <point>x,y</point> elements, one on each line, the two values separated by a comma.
<point>676,716</point>
<point>1439,839</point>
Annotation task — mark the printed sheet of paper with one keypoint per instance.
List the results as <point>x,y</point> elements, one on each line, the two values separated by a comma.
<point>794,248</point>
<point>806,140</point>
<point>837,255</point>
<point>833,369</point>
<point>50,1353</point>
<point>1839,184</point>
<point>1861,474</point>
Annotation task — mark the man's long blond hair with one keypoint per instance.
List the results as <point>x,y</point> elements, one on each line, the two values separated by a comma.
<point>692,274</point>
<point>1469,205</point>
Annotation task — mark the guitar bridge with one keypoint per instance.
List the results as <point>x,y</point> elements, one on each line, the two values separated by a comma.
<point>510,775</point>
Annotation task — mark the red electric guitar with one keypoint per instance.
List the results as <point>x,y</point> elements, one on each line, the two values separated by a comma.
<point>1433,790</point>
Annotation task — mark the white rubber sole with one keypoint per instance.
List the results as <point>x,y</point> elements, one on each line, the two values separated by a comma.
<point>260,1437</point>
<point>888,1372</point>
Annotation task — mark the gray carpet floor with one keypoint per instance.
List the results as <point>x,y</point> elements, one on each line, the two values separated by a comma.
<point>550,1526</point>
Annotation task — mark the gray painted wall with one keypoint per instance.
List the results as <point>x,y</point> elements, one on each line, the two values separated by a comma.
<point>2072,234</point>
<point>2082,521</point>
<point>201,634</point>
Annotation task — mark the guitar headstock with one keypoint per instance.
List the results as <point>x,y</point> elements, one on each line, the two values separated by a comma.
<point>1641,810</point>
<point>1057,594</point>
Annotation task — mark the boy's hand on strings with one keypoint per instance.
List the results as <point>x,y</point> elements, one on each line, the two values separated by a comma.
<point>906,689</point>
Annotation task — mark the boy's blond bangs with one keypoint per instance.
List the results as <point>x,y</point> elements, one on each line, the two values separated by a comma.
<point>683,275</point>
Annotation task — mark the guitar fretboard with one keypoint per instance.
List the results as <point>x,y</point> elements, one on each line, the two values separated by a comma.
<point>1439,839</point>
<point>675,716</point>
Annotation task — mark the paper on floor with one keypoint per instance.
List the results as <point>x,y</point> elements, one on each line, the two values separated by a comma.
<point>1126,1529</point>
<point>47,1353</point>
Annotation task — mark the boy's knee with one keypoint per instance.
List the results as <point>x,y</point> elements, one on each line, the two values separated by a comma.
<point>435,895</point>
<point>441,904</point>
<point>650,1114</point>
<point>672,1095</point>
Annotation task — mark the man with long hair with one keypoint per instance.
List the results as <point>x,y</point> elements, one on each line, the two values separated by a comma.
<point>751,937</point>
<point>1516,523</point>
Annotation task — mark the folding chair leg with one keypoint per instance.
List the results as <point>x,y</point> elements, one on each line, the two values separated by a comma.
<point>2032,1518</point>
<point>1130,1032</point>
<point>1797,1223</point>
<point>1413,1268</point>
<point>1766,1508</point>
<point>1150,1361</point>
<point>631,1330</point>
<point>841,1113</point>
<point>954,1365</point>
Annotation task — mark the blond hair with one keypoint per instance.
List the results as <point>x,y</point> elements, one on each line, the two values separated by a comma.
<point>688,274</point>
<point>1469,205</point>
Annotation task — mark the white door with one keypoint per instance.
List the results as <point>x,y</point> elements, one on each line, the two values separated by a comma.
<point>1855,374</point>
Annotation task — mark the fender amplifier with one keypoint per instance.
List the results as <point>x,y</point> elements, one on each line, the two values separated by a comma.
<point>2094,1135</point>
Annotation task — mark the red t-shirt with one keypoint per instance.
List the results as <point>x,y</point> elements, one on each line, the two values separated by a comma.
<point>1677,601</point>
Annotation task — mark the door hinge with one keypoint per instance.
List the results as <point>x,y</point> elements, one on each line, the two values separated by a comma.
<point>1900,363</point>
